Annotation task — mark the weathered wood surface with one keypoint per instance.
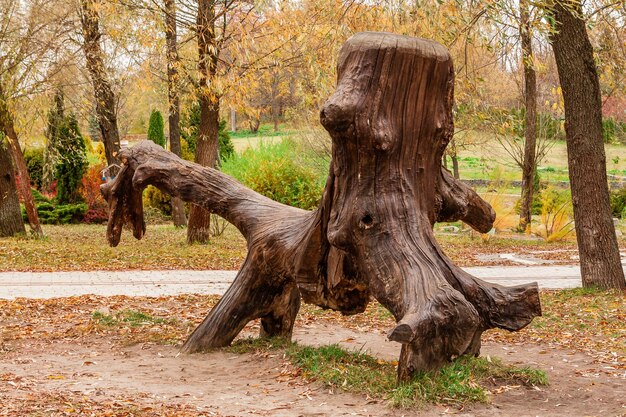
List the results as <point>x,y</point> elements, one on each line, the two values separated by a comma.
<point>390,119</point>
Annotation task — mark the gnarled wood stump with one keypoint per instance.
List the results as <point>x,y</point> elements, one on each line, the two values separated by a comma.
<point>390,119</point>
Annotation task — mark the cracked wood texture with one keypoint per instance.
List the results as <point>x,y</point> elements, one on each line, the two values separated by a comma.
<point>390,120</point>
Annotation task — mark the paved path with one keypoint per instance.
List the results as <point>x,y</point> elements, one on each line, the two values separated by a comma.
<point>156,283</point>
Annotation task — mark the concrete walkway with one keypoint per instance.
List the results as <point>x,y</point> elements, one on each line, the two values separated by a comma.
<point>156,283</point>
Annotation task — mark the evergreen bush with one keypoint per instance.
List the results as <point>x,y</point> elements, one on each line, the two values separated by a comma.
<point>155,128</point>
<point>65,153</point>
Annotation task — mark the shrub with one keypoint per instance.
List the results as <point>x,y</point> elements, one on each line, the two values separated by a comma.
<point>618,203</point>
<point>98,211</point>
<point>34,163</point>
<point>276,171</point>
<point>156,199</point>
<point>38,197</point>
<point>98,216</point>
<point>101,153</point>
<point>88,144</point>
<point>609,128</point>
<point>227,149</point>
<point>59,214</point>
<point>155,128</point>
<point>505,211</point>
<point>556,215</point>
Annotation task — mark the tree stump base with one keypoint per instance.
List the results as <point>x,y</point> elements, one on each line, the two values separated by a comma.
<point>390,120</point>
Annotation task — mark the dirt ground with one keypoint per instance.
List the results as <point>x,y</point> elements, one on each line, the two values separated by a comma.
<point>102,377</point>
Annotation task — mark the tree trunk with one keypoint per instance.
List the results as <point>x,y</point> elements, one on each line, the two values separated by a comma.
<point>173,62</point>
<point>233,119</point>
<point>7,126</point>
<point>11,222</point>
<point>390,120</point>
<point>105,99</point>
<point>530,132</point>
<point>455,166</point>
<point>600,263</point>
<point>207,146</point>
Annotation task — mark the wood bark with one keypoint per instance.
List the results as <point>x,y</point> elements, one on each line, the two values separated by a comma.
<point>11,222</point>
<point>390,119</point>
<point>103,93</point>
<point>207,145</point>
<point>7,126</point>
<point>173,63</point>
<point>600,263</point>
<point>529,166</point>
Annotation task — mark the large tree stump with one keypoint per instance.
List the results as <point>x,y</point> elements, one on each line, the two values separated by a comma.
<point>390,120</point>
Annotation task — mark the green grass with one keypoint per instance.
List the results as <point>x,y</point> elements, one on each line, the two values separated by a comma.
<point>265,130</point>
<point>482,155</point>
<point>461,382</point>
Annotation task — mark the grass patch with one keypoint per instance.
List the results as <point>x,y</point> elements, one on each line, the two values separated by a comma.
<point>265,130</point>
<point>461,382</point>
<point>130,317</point>
<point>254,344</point>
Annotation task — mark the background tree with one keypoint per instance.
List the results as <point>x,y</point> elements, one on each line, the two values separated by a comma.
<point>29,37</point>
<point>600,262</point>
<point>173,98</point>
<point>11,222</point>
<point>190,127</point>
<point>103,93</point>
<point>155,128</point>
<point>7,127</point>
<point>529,166</point>
<point>207,146</point>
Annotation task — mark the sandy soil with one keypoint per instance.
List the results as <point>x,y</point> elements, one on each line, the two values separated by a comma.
<point>155,380</point>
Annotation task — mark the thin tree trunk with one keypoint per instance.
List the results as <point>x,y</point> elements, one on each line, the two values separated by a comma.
<point>173,61</point>
<point>105,99</point>
<point>530,132</point>
<point>11,222</point>
<point>7,126</point>
<point>597,244</point>
<point>455,166</point>
<point>207,145</point>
